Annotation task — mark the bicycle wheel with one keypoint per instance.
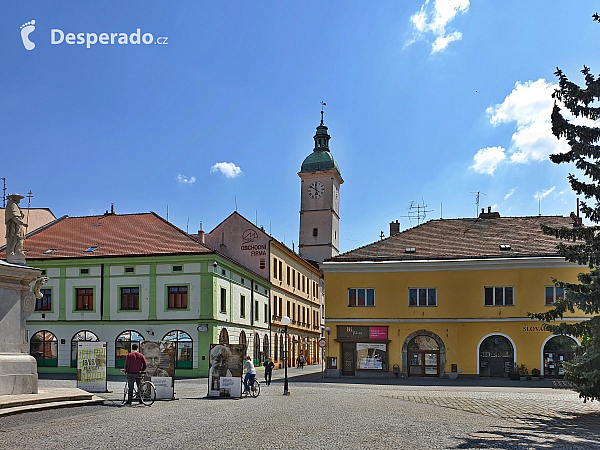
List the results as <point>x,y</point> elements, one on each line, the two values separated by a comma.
<point>255,388</point>
<point>147,393</point>
<point>125,392</point>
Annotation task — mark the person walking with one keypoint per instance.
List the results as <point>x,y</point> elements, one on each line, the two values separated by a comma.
<point>268,370</point>
<point>135,364</point>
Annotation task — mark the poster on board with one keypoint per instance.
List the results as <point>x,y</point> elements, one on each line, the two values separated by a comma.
<point>225,370</point>
<point>160,360</point>
<point>91,366</point>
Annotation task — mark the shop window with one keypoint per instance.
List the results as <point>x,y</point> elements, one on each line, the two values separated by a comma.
<point>499,296</point>
<point>554,293</point>
<point>44,303</point>
<point>178,297</point>
<point>43,347</point>
<point>130,298</point>
<point>85,299</point>
<point>184,348</point>
<point>123,346</point>
<point>422,297</point>
<point>371,356</point>
<point>361,297</point>
<point>256,355</point>
<point>80,336</point>
<point>223,300</point>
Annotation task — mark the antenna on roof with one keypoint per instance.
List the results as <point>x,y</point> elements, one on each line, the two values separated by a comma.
<point>270,234</point>
<point>441,209</point>
<point>167,212</point>
<point>540,205</point>
<point>256,217</point>
<point>416,211</point>
<point>235,197</point>
<point>4,193</point>
<point>477,201</point>
<point>187,227</point>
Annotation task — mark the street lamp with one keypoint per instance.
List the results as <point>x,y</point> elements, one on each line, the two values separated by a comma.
<point>285,321</point>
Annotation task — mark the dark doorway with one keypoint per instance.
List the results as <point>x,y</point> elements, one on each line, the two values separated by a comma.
<point>348,359</point>
<point>556,351</point>
<point>496,357</point>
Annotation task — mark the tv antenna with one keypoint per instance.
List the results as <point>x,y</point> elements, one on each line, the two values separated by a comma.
<point>417,211</point>
<point>4,193</point>
<point>478,194</point>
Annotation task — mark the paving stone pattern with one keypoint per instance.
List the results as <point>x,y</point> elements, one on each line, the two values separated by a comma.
<point>318,415</point>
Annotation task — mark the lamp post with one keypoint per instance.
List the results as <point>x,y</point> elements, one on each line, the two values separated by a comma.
<point>328,330</point>
<point>285,321</point>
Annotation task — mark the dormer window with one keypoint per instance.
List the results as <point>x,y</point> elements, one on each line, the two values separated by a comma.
<point>504,247</point>
<point>90,249</point>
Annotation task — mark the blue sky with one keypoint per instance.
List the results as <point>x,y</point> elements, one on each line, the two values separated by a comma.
<point>427,102</point>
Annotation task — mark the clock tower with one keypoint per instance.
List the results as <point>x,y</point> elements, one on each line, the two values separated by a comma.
<point>320,201</point>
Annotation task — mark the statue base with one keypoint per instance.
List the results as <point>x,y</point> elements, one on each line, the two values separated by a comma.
<point>18,374</point>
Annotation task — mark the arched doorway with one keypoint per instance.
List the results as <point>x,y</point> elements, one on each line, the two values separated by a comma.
<point>184,348</point>
<point>123,346</point>
<point>266,350</point>
<point>557,350</point>
<point>496,356</point>
<point>43,346</point>
<point>223,336</point>
<point>276,348</point>
<point>243,341</point>
<point>423,355</point>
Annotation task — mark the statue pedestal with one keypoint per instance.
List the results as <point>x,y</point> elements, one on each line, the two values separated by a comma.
<point>18,374</point>
<point>18,370</point>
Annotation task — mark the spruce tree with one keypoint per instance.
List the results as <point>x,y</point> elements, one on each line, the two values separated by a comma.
<point>581,244</point>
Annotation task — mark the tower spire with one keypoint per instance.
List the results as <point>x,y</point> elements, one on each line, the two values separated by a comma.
<point>323,104</point>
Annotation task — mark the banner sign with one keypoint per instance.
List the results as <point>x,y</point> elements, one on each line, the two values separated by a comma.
<point>91,366</point>
<point>160,360</point>
<point>226,364</point>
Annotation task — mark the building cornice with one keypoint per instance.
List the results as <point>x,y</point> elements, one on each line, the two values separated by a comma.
<point>488,319</point>
<point>545,262</point>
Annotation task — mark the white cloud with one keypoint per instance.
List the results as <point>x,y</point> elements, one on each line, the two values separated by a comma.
<point>185,180</point>
<point>230,170</point>
<point>432,19</point>
<point>510,193</point>
<point>494,207</point>
<point>543,194</point>
<point>487,159</point>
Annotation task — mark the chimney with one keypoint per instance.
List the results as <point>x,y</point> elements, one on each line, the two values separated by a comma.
<point>394,228</point>
<point>489,214</point>
<point>201,234</point>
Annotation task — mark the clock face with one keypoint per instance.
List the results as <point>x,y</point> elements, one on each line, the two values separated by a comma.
<point>316,189</point>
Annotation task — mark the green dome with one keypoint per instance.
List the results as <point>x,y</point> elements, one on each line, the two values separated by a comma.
<point>317,161</point>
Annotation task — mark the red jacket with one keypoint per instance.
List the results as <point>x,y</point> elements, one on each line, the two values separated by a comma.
<point>135,363</point>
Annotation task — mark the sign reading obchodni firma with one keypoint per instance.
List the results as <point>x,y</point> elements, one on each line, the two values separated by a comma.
<point>363,348</point>
<point>255,249</point>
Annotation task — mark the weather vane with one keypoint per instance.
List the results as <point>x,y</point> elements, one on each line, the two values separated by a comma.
<point>323,104</point>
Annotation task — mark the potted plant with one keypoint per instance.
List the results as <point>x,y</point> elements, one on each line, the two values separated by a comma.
<point>523,372</point>
<point>535,374</point>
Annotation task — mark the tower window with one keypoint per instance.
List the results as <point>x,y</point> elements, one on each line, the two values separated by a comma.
<point>315,232</point>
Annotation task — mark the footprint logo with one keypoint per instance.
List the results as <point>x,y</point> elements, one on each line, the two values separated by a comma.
<point>26,30</point>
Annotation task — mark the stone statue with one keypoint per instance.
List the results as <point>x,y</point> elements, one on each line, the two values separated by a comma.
<point>15,230</point>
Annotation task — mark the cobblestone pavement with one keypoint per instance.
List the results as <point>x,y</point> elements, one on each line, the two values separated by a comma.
<point>318,414</point>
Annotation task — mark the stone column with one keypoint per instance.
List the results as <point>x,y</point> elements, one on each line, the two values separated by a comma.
<point>18,370</point>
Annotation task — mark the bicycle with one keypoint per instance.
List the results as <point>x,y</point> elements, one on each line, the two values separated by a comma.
<point>253,388</point>
<point>146,393</point>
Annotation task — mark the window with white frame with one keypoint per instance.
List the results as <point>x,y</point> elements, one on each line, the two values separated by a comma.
<point>554,293</point>
<point>499,296</point>
<point>361,297</point>
<point>422,297</point>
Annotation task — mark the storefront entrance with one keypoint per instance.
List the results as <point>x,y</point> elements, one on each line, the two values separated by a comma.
<point>556,351</point>
<point>348,359</point>
<point>496,357</point>
<point>423,357</point>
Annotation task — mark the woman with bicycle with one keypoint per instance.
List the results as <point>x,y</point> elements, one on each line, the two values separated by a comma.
<point>250,371</point>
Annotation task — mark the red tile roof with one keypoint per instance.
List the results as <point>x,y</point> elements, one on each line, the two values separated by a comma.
<point>464,238</point>
<point>113,234</point>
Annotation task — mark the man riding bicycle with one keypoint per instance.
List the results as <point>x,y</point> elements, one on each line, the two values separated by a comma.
<point>250,372</point>
<point>135,364</point>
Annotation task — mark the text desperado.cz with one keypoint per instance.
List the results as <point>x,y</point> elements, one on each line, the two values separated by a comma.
<point>58,37</point>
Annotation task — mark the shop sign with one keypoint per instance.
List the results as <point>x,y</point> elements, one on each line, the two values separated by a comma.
<point>91,366</point>
<point>540,328</point>
<point>202,328</point>
<point>378,332</point>
<point>353,332</point>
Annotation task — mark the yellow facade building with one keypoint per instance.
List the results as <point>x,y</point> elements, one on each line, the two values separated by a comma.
<point>449,298</point>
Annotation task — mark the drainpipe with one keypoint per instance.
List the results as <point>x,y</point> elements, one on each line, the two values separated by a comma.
<point>101,291</point>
